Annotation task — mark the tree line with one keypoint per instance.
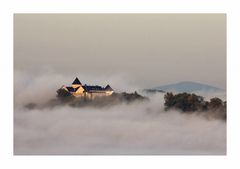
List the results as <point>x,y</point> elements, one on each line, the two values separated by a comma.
<point>187,103</point>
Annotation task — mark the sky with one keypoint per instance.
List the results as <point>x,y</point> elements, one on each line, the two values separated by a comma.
<point>146,49</point>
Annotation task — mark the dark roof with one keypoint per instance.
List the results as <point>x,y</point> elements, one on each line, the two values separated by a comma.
<point>77,88</point>
<point>93,88</point>
<point>108,87</point>
<point>89,88</point>
<point>70,89</point>
<point>76,81</point>
<point>84,88</point>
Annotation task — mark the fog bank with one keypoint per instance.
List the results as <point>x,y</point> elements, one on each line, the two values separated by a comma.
<point>138,128</point>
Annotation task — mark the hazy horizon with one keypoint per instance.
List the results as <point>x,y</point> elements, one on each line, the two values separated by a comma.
<point>146,50</point>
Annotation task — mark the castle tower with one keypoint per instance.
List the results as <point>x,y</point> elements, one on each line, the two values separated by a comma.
<point>76,83</point>
<point>108,90</point>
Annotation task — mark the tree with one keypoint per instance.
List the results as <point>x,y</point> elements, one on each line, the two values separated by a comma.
<point>183,101</point>
<point>215,103</point>
<point>64,95</point>
<point>169,102</point>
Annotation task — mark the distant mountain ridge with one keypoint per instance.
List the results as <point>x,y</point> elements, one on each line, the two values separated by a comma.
<point>188,86</point>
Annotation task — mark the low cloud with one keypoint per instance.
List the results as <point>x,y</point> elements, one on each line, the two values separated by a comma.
<point>137,128</point>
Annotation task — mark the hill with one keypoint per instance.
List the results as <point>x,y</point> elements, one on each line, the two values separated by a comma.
<point>187,86</point>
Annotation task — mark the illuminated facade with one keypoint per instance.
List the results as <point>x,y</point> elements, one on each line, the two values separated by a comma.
<point>79,90</point>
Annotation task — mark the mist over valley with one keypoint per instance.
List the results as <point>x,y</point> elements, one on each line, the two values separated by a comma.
<point>139,126</point>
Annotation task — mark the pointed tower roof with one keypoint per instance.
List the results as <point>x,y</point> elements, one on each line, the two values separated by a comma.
<point>76,81</point>
<point>108,87</point>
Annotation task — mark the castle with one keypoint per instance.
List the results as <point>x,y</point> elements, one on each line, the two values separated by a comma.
<point>79,90</point>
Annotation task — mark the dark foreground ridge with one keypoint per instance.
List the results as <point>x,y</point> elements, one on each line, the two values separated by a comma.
<point>189,103</point>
